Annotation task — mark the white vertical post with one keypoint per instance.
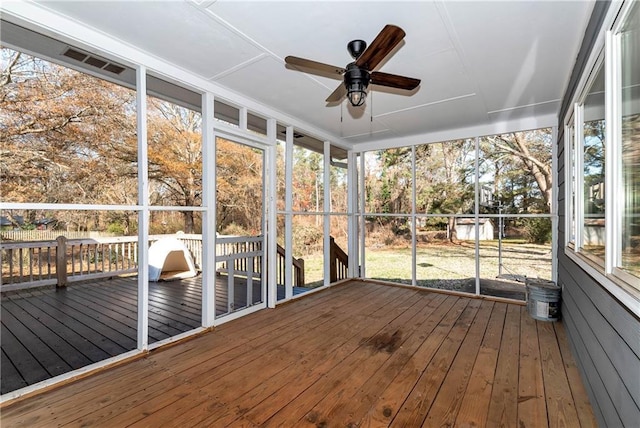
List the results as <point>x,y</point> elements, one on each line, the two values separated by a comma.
<point>270,255</point>
<point>414,249</point>
<point>476,219</point>
<point>362,271</point>
<point>209,220</point>
<point>143,214</point>
<point>326,208</point>
<point>352,203</point>
<point>288,207</point>
<point>554,204</point>
<point>243,118</point>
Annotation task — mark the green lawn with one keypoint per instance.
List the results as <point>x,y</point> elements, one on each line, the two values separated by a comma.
<point>446,262</point>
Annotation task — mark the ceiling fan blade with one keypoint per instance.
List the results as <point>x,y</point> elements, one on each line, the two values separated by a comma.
<point>394,81</point>
<point>384,43</point>
<point>337,95</point>
<point>308,65</point>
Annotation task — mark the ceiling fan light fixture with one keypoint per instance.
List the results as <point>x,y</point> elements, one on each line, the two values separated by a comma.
<point>356,80</point>
<point>356,94</point>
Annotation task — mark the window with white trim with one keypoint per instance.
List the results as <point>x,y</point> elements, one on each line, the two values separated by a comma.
<point>592,219</point>
<point>603,204</point>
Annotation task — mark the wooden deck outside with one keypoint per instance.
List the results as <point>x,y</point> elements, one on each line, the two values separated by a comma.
<point>48,332</point>
<point>359,354</point>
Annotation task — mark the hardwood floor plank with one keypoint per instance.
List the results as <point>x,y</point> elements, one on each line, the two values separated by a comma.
<point>166,321</point>
<point>10,372</point>
<point>446,405</point>
<point>475,404</point>
<point>310,365</point>
<point>216,382</point>
<point>125,317</point>
<point>368,359</point>
<point>55,408</point>
<point>578,392</point>
<point>117,322</point>
<point>416,407</point>
<point>69,332</point>
<point>359,354</point>
<point>532,408</point>
<point>244,330</point>
<point>116,333</point>
<point>179,302</point>
<point>256,327</point>
<point>350,412</point>
<point>503,407</point>
<point>30,370</point>
<point>88,332</point>
<point>121,388</point>
<point>54,354</point>
<point>162,391</point>
<point>560,406</point>
<point>391,399</point>
<point>299,406</point>
<point>310,350</point>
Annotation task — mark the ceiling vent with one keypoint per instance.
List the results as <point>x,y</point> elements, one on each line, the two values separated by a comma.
<point>93,61</point>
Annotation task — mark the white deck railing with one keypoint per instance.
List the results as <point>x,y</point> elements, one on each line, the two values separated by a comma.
<point>40,263</point>
<point>61,261</point>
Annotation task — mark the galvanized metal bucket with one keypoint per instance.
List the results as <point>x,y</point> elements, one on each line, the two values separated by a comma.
<point>543,299</point>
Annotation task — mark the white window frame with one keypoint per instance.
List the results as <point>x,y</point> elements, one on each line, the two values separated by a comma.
<point>569,180</point>
<point>578,162</point>
<point>622,285</point>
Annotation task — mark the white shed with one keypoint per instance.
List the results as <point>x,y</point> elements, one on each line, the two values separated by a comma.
<point>465,229</point>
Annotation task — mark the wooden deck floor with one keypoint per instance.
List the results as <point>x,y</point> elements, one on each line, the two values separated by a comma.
<point>358,354</point>
<point>48,332</point>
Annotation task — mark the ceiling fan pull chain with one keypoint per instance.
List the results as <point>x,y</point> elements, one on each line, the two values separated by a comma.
<point>371,109</point>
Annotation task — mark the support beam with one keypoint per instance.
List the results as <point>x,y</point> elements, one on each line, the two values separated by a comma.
<point>209,216</point>
<point>143,214</point>
<point>271,232</point>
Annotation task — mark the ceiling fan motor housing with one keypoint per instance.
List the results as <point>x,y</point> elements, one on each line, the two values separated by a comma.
<point>356,74</point>
<point>356,47</point>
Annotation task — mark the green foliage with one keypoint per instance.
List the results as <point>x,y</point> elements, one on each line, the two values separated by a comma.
<point>28,226</point>
<point>537,230</point>
<point>116,228</point>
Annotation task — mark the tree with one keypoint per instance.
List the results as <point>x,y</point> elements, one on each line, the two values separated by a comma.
<point>444,179</point>
<point>517,161</point>
<point>56,125</point>
<point>175,157</point>
<point>239,187</point>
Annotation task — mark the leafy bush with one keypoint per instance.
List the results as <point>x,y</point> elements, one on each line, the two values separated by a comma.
<point>537,230</point>
<point>116,228</point>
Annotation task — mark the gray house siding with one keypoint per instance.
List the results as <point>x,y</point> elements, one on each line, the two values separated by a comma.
<point>604,335</point>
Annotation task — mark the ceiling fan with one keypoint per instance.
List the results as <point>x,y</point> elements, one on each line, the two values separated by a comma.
<point>358,74</point>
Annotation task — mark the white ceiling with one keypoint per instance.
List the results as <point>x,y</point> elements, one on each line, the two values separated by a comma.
<point>480,62</point>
